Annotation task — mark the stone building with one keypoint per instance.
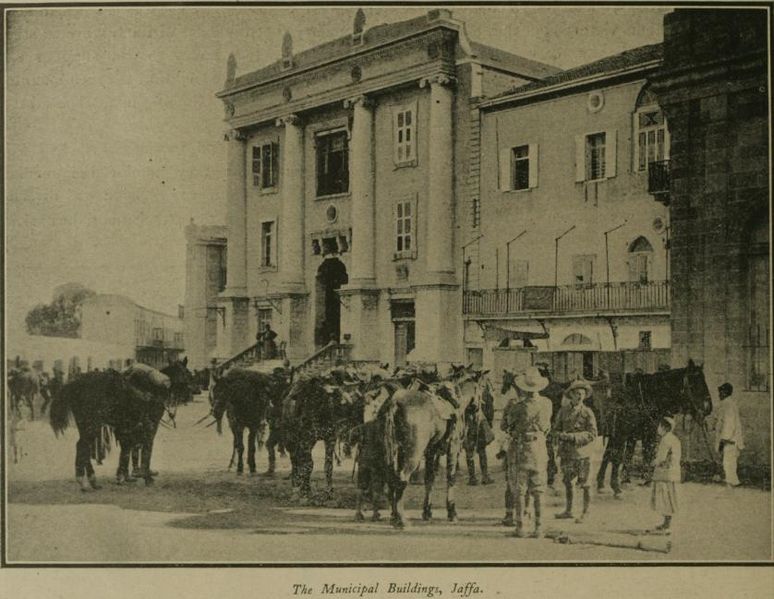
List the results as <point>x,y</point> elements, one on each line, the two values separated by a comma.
<point>713,86</point>
<point>568,255</point>
<point>205,269</point>
<point>347,188</point>
<point>115,319</point>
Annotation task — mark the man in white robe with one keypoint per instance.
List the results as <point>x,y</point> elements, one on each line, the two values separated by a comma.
<point>728,431</point>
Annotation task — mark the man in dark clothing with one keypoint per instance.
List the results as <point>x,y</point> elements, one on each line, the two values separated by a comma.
<point>479,434</point>
<point>267,344</point>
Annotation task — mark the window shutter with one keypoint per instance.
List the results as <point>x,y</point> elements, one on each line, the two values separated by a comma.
<point>635,142</point>
<point>504,177</point>
<point>610,153</point>
<point>414,128</point>
<point>580,158</point>
<point>395,157</point>
<point>257,158</point>
<point>533,165</point>
<point>275,162</point>
<point>274,244</point>
<point>414,217</point>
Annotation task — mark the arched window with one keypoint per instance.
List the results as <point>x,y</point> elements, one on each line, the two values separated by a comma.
<point>650,131</point>
<point>576,339</point>
<point>640,260</point>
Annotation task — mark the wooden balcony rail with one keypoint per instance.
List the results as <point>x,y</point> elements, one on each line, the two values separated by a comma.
<point>598,297</point>
<point>658,177</point>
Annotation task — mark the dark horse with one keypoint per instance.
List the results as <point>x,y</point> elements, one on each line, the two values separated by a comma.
<point>129,404</point>
<point>426,422</point>
<point>318,408</point>
<point>636,410</point>
<point>247,397</point>
<point>23,386</point>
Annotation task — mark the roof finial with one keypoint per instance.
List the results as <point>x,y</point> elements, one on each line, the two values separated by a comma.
<point>360,21</point>
<point>231,66</point>
<point>287,50</point>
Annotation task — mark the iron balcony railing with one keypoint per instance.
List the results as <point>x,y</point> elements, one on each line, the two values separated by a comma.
<point>658,177</point>
<point>595,298</point>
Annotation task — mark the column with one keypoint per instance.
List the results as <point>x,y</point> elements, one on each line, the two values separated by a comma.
<point>236,282</point>
<point>362,187</point>
<point>440,235</point>
<point>291,225</point>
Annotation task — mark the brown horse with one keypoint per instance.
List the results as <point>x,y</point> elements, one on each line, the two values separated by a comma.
<point>426,422</point>
<point>23,387</point>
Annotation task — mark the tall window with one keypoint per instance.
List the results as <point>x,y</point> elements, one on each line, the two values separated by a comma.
<point>583,269</point>
<point>332,163</point>
<point>518,167</point>
<point>405,134</point>
<point>267,244</point>
<point>650,132</point>
<point>640,260</point>
<point>595,156</point>
<point>264,318</point>
<point>266,165</point>
<point>520,162</point>
<point>403,227</point>
<point>404,212</point>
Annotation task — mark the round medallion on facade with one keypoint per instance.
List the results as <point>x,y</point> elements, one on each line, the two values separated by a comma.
<point>595,101</point>
<point>356,74</point>
<point>287,94</point>
<point>331,214</point>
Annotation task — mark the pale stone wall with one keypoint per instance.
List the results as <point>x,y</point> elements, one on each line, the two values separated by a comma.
<point>558,202</point>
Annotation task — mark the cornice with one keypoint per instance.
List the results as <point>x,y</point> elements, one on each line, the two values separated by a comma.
<point>339,95</point>
<point>360,51</point>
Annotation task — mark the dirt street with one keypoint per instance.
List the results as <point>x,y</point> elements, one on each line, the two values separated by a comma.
<point>200,512</point>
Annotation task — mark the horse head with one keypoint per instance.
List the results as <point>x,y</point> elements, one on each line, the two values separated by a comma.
<point>697,396</point>
<point>509,380</point>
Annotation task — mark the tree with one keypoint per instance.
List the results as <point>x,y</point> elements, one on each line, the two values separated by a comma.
<point>62,317</point>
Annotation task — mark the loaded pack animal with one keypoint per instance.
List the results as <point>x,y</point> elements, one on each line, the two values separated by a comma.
<point>181,392</point>
<point>23,388</point>
<point>126,405</point>
<point>247,398</point>
<point>638,407</point>
<point>426,421</point>
<point>318,408</point>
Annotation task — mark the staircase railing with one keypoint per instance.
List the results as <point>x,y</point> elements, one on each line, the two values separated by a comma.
<point>327,356</point>
<point>248,354</point>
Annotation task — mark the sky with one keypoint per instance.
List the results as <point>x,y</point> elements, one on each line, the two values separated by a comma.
<point>114,136</point>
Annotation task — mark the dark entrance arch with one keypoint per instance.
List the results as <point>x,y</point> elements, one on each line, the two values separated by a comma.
<point>331,275</point>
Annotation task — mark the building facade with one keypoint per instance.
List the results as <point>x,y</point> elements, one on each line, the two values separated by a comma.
<point>714,88</point>
<point>205,270</point>
<point>568,256</point>
<point>347,188</point>
<point>156,337</point>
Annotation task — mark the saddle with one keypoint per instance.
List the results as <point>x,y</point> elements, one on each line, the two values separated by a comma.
<point>444,400</point>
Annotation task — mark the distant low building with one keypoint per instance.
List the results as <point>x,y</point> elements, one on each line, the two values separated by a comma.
<point>156,337</point>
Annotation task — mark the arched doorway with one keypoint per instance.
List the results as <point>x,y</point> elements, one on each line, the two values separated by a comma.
<point>640,260</point>
<point>331,275</point>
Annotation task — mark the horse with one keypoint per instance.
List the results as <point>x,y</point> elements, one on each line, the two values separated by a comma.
<point>23,387</point>
<point>414,426</point>
<point>129,405</point>
<point>317,408</point>
<point>247,397</point>
<point>638,408</point>
<point>181,392</point>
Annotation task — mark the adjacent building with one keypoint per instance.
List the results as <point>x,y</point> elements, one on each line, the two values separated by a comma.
<point>347,190</point>
<point>714,88</point>
<point>205,278</point>
<point>155,336</point>
<point>569,254</point>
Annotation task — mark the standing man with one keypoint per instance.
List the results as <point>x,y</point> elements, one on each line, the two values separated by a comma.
<point>728,431</point>
<point>529,421</point>
<point>268,345</point>
<point>576,429</point>
<point>478,435</point>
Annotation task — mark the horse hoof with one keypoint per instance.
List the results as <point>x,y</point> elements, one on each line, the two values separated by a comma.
<point>239,473</point>
<point>377,517</point>
<point>427,516</point>
<point>359,517</point>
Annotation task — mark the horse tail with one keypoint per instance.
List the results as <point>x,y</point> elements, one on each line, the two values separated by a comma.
<point>60,409</point>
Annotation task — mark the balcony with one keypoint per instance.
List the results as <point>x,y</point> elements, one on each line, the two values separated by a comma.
<point>658,181</point>
<point>631,298</point>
